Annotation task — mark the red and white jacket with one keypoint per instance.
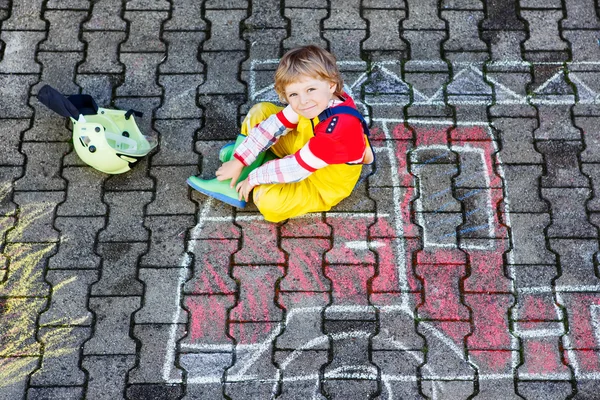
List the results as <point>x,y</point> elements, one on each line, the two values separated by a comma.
<point>337,140</point>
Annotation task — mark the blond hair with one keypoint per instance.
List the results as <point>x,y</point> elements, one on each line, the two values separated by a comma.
<point>311,61</point>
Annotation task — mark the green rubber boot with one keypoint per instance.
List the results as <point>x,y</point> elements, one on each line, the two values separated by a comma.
<point>221,190</point>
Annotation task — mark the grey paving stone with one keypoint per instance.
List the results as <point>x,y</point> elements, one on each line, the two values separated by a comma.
<point>43,166</point>
<point>21,17</point>
<point>545,390</point>
<point>119,270</point>
<point>299,380</point>
<point>556,125</point>
<point>423,15</point>
<point>67,304</point>
<point>503,46</point>
<point>456,389</point>
<point>222,73</point>
<point>304,272</point>
<point>47,393</point>
<point>69,4</point>
<point>144,28</point>
<point>585,49</point>
<point>516,137</point>
<point>424,51</point>
<point>25,267</point>
<point>36,215</point>
<point>63,30</point>
<point>345,15</point>
<point>171,199</point>
<point>579,15</point>
<point>84,188</point>
<point>529,244</point>
<point>10,133</point>
<point>16,388</point>
<point>101,53</point>
<point>176,142</point>
<point>107,375</point>
<point>349,297</point>
<point>309,20</point>
<point>462,31</point>
<point>63,370</point>
<point>516,178</point>
<point>179,104</point>
<point>591,139</point>
<point>111,329</point>
<point>227,4</point>
<point>562,166</point>
<point>346,233</point>
<point>154,391</point>
<point>13,95</point>
<point>197,391</point>
<point>139,74</point>
<point>18,54</point>
<point>265,14</point>
<point>135,179</point>
<point>225,34</point>
<point>396,366</point>
<point>151,360</point>
<point>593,171</point>
<point>106,15</point>
<point>125,222</point>
<point>17,339</point>
<point>441,360</point>
<point>211,266</point>
<point>245,391</point>
<point>256,301</point>
<point>154,309</point>
<point>183,52</point>
<point>383,34</point>
<point>264,45</point>
<point>344,388</point>
<point>147,5</point>
<point>344,43</point>
<point>259,245</point>
<point>259,365</point>
<point>435,187</point>
<point>303,324</point>
<point>76,249</point>
<point>569,217</point>
<point>533,276</point>
<point>58,70</point>
<point>99,86</point>
<point>311,4</point>
<point>383,4</point>
<point>185,15</point>
<point>208,333</point>
<point>47,126</point>
<point>167,246</point>
<point>576,261</point>
<point>543,35</point>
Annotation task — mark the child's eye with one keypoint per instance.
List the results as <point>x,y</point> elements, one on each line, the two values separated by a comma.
<point>291,94</point>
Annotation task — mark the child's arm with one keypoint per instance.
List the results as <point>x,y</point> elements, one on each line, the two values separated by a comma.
<point>265,134</point>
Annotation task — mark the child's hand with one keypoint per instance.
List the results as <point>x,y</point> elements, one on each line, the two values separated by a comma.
<point>230,170</point>
<point>244,188</point>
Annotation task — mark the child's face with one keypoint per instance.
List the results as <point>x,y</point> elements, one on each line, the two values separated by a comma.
<point>309,96</point>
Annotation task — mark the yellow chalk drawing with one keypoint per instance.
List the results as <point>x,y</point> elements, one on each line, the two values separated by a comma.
<point>21,302</point>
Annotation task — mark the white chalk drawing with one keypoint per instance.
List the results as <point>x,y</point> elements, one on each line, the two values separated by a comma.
<point>395,92</point>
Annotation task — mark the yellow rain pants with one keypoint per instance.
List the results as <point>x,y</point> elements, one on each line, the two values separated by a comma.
<point>322,189</point>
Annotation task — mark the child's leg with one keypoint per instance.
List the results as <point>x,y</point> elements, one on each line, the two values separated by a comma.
<point>221,190</point>
<point>319,192</point>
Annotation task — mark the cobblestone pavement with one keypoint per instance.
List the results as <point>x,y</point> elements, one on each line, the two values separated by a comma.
<point>465,266</point>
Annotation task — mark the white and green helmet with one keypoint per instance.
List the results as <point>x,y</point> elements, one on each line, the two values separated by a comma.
<point>108,140</point>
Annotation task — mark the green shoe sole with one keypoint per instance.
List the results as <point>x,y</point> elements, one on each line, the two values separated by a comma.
<point>219,190</point>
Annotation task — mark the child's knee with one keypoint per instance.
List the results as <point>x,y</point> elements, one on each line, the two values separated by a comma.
<point>269,204</point>
<point>257,114</point>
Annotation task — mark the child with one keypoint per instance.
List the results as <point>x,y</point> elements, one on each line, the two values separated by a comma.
<point>306,157</point>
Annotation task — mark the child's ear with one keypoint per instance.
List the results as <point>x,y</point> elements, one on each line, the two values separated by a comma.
<point>332,86</point>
